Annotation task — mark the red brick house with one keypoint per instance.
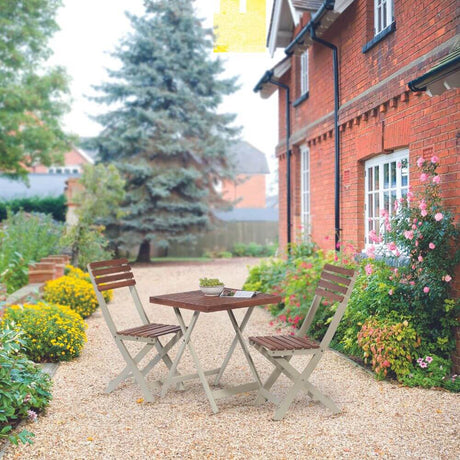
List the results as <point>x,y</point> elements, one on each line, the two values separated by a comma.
<point>73,163</point>
<point>247,190</point>
<point>351,117</point>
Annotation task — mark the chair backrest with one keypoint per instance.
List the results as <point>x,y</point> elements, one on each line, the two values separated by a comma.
<point>336,285</point>
<point>114,274</point>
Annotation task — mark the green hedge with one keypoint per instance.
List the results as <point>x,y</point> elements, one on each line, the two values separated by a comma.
<point>56,206</point>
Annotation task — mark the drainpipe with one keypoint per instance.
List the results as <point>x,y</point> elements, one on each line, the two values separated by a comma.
<point>288,156</point>
<point>336,129</point>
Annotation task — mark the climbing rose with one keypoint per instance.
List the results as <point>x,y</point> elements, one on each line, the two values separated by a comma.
<point>422,205</point>
<point>390,292</point>
<point>431,245</point>
<point>447,278</point>
<point>426,289</point>
<point>409,234</point>
<point>438,216</point>
<point>424,213</point>
<point>436,179</point>
<point>420,162</point>
<point>434,159</point>
<point>391,246</point>
<point>423,177</point>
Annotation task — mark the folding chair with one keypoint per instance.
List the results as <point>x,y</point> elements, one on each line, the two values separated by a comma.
<point>114,274</point>
<point>336,285</point>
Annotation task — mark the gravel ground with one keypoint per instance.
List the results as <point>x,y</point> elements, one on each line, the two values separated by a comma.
<point>379,419</point>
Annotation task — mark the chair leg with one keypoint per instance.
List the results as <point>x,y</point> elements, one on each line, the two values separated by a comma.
<point>163,353</point>
<point>126,372</point>
<point>137,374</point>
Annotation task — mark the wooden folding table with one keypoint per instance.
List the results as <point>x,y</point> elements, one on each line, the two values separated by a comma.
<point>199,303</point>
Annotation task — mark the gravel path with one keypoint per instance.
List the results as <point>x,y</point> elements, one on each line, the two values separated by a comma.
<point>379,419</point>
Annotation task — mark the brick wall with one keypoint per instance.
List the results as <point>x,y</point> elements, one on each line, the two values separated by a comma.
<point>249,190</point>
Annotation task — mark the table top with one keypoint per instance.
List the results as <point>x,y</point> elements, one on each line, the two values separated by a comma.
<point>196,300</point>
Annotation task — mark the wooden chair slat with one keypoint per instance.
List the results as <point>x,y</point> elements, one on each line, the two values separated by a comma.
<point>343,271</point>
<point>116,285</point>
<point>335,278</point>
<point>332,286</point>
<point>108,263</point>
<point>329,295</point>
<point>150,330</point>
<point>110,278</point>
<point>108,271</point>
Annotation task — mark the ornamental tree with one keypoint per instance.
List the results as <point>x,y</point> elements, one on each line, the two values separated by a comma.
<point>31,101</point>
<point>162,128</point>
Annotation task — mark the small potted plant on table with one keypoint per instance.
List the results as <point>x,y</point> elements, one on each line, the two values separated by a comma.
<point>211,286</point>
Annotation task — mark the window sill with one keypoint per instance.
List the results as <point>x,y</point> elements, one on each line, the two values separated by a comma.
<point>300,99</point>
<point>379,37</point>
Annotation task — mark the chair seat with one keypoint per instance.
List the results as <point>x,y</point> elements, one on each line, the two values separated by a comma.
<point>284,342</point>
<point>150,330</point>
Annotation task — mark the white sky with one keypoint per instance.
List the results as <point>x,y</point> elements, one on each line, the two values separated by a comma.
<point>90,29</point>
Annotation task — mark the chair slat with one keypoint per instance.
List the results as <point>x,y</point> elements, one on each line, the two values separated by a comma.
<point>108,263</point>
<point>335,278</point>
<point>341,270</point>
<point>108,271</point>
<point>108,279</point>
<point>116,285</point>
<point>332,286</point>
<point>150,330</point>
<point>329,295</point>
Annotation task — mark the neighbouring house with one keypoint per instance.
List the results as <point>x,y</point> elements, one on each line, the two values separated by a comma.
<point>74,160</point>
<point>354,103</point>
<point>46,181</point>
<point>253,219</point>
<point>248,188</point>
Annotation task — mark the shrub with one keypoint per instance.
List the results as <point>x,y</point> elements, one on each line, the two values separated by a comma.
<point>76,272</point>
<point>24,388</point>
<point>254,250</point>
<point>55,206</point>
<point>77,293</point>
<point>432,371</point>
<point>390,344</point>
<point>25,238</point>
<point>51,332</point>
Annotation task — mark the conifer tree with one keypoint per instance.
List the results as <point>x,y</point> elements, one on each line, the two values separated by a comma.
<point>163,130</point>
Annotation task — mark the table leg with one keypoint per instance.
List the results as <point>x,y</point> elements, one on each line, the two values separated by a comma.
<point>187,343</point>
<point>233,345</point>
<point>240,338</point>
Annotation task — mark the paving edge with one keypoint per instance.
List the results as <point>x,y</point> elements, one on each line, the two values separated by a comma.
<point>50,369</point>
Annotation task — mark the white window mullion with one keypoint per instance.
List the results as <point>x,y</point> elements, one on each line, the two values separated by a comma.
<point>305,192</point>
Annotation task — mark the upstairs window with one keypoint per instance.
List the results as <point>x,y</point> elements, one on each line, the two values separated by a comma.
<point>386,181</point>
<point>304,73</point>
<point>305,191</point>
<point>383,15</point>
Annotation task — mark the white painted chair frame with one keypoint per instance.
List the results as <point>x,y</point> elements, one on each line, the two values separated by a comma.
<point>116,274</point>
<point>280,358</point>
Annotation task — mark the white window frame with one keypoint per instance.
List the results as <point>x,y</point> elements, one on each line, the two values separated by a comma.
<point>379,194</point>
<point>304,83</point>
<point>383,15</point>
<point>305,198</point>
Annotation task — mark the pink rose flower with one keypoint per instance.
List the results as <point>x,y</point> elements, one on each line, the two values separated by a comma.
<point>447,278</point>
<point>390,292</point>
<point>436,180</point>
<point>422,205</point>
<point>391,246</point>
<point>420,162</point>
<point>409,234</point>
<point>369,269</point>
<point>424,213</point>
<point>423,177</point>
<point>426,289</point>
<point>420,258</point>
<point>438,216</point>
<point>431,245</point>
<point>434,159</point>
<point>370,252</point>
